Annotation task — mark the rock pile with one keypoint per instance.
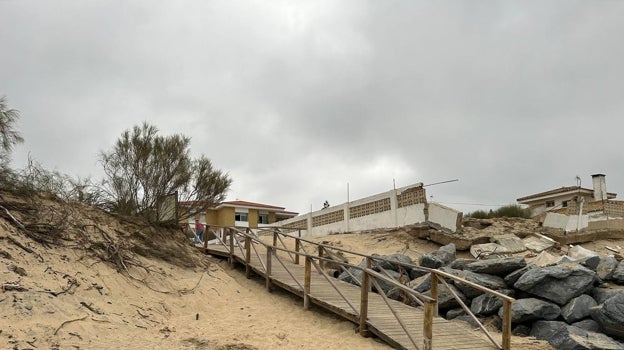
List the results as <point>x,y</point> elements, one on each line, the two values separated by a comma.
<point>571,304</point>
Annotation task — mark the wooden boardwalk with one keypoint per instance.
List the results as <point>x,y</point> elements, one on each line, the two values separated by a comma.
<point>381,320</point>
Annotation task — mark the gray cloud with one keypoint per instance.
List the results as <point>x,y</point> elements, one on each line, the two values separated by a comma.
<point>297,99</point>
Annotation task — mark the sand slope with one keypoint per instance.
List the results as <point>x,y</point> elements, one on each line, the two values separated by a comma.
<point>89,280</point>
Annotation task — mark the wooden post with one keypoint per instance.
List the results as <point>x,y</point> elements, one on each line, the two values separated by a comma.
<point>434,292</point>
<point>268,268</point>
<point>248,257</point>
<point>206,229</point>
<point>275,238</point>
<point>297,249</point>
<point>307,282</point>
<point>364,291</point>
<point>320,254</point>
<point>428,325</point>
<point>231,248</point>
<point>506,325</point>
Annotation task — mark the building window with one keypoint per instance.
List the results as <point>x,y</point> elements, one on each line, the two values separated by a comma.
<point>564,204</point>
<point>263,218</point>
<point>240,217</point>
<point>550,204</point>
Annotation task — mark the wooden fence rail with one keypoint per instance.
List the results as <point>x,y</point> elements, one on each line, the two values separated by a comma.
<point>248,241</point>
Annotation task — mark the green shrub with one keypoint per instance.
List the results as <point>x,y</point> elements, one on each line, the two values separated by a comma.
<point>508,211</point>
<point>479,214</point>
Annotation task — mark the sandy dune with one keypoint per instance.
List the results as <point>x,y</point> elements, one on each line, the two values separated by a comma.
<point>105,283</point>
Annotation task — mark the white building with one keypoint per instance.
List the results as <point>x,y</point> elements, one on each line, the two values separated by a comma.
<point>395,208</point>
<point>564,196</point>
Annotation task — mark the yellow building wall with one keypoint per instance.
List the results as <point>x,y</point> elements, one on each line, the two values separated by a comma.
<point>225,216</point>
<point>212,218</point>
<point>252,217</point>
<point>272,218</point>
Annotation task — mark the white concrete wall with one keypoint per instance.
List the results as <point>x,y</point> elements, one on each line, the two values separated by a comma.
<point>328,229</point>
<point>385,219</point>
<point>446,217</point>
<point>574,224</point>
<point>395,217</point>
<point>554,220</point>
<point>568,223</point>
<point>414,214</point>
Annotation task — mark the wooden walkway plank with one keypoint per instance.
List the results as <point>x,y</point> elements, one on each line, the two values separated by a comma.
<point>380,320</point>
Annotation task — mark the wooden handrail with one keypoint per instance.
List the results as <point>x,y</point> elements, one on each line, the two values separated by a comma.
<point>365,288</point>
<point>428,325</point>
<point>297,248</point>
<point>429,303</point>
<point>288,270</point>
<point>284,245</point>
<point>248,257</point>
<point>320,271</point>
<point>474,285</point>
<point>268,268</point>
<point>396,315</point>
<point>307,284</point>
<point>398,285</point>
<point>506,325</point>
<point>469,312</point>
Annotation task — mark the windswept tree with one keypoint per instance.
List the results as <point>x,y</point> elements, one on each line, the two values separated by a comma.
<point>9,137</point>
<point>143,166</point>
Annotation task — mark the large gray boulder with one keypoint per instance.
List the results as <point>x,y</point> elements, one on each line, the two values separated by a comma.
<point>511,278</point>
<point>446,300</point>
<point>394,262</point>
<point>590,262</point>
<point>485,304</point>
<point>416,272</point>
<point>606,267</point>
<point>521,330</point>
<point>454,272</point>
<point>421,284</point>
<point>578,308</point>
<point>618,273</point>
<point>460,264</point>
<point>610,316</point>
<point>588,325</point>
<point>385,285</point>
<point>446,253</point>
<point>558,283</point>
<point>499,267</point>
<point>454,313</point>
<point>531,309</point>
<point>565,337</point>
<point>353,272</point>
<point>482,279</point>
<point>441,257</point>
<point>431,261</point>
<point>602,294</point>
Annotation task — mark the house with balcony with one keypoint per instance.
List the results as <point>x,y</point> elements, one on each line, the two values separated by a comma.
<point>567,196</point>
<point>238,213</point>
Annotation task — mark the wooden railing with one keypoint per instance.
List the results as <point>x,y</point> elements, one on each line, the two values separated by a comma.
<point>234,237</point>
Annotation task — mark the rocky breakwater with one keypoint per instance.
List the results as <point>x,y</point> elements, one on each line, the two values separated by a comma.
<point>573,304</point>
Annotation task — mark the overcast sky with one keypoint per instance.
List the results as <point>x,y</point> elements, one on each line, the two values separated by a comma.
<point>295,99</point>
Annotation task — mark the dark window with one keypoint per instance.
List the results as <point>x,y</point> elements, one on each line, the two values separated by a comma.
<point>263,218</point>
<point>550,204</point>
<point>240,217</point>
<point>564,204</point>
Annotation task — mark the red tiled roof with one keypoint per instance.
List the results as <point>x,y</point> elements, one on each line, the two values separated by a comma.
<point>287,212</point>
<point>562,190</point>
<point>250,204</point>
<point>237,203</point>
<point>555,191</point>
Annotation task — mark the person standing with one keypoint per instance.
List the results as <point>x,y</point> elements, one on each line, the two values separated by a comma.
<point>199,230</point>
